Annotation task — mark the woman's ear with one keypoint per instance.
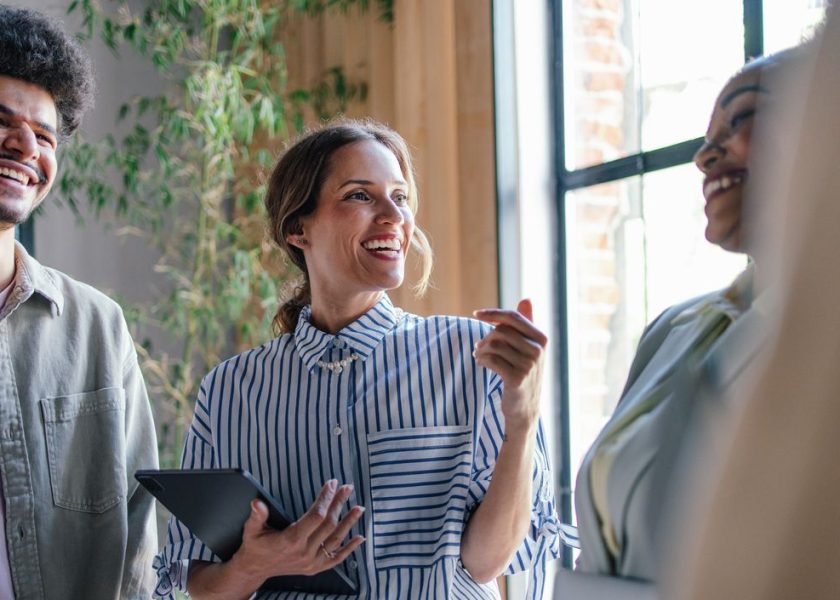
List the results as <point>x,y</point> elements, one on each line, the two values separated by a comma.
<point>297,240</point>
<point>296,237</point>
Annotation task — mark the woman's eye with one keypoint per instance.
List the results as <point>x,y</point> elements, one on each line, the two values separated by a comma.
<point>738,119</point>
<point>400,199</point>
<point>356,196</point>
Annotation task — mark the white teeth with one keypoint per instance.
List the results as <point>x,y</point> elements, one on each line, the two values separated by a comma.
<point>16,175</point>
<point>382,244</point>
<point>724,183</point>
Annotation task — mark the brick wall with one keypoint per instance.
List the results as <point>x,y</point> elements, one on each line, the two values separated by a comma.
<point>599,78</point>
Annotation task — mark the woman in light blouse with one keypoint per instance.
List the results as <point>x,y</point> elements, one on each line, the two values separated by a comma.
<point>427,427</point>
<point>621,491</point>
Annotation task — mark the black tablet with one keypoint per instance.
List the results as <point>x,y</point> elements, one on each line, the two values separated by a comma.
<point>215,503</point>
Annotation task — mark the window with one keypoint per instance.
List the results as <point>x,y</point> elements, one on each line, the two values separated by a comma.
<point>635,82</point>
<point>25,234</point>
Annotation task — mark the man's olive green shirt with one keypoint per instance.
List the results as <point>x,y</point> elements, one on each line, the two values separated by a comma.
<point>75,424</point>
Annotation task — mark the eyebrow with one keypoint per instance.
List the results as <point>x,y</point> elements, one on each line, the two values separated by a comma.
<point>367,182</point>
<point>741,90</point>
<point>45,126</point>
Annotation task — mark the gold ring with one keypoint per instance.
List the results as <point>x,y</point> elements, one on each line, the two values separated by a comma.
<point>327,553</point>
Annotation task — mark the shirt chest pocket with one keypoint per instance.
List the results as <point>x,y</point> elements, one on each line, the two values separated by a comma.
<point>419,482</point>
<point>85,440</point>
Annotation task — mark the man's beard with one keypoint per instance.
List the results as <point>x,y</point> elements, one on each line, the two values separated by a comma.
<point>10,218</point>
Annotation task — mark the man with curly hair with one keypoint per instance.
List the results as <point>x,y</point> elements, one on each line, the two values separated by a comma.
<point>75,421</point>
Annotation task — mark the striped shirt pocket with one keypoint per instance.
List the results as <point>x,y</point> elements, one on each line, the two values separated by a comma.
<point>419,481</point>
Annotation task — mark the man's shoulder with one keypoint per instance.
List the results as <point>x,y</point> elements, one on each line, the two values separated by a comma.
<point>82,301</point>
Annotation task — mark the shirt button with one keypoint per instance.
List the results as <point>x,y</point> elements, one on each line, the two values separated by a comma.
<point>353,565</point>
<point>337,343</point>
<point>337,430</point>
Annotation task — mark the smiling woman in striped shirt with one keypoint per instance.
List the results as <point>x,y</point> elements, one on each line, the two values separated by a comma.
<point>427,427</point>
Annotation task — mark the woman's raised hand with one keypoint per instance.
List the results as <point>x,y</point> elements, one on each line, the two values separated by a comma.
<point>515,350</point>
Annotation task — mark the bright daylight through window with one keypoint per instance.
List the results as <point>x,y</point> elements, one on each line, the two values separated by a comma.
<point>639,76</point>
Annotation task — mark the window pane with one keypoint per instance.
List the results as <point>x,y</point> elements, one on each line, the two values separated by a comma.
<point>642,74</point>
<point>634,247</point>
<point>605,287</point>
<point>680,262</point>
<point>788,22</point>
<point>688,50</point>
<point>600,89</point>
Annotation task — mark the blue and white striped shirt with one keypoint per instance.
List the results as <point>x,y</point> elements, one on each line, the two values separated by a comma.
<point>414,424</point>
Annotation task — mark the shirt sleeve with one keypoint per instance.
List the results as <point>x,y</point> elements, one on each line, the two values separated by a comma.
<point>542,542</point>
<point>172,563</point>
<point>140,453</point>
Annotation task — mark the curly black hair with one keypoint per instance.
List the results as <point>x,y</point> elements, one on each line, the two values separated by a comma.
<point>37,50</point>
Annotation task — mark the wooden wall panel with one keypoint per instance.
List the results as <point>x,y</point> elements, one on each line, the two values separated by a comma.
<point>476,152</point>
<point>429,76</point>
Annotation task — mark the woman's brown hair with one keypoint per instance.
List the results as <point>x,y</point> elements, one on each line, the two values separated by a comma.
<point>296,182</point>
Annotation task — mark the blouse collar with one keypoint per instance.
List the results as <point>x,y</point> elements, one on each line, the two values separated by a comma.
<point>731,302</point>
<point>362,336</point>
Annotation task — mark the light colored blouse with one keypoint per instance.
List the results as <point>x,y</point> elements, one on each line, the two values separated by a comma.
<point>414,424</point>
<point>612,494</point>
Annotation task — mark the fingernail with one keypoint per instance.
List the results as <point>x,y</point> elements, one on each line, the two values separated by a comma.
<point>331,484</point>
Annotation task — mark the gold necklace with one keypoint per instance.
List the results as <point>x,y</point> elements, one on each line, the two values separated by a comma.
<point>337,366</point>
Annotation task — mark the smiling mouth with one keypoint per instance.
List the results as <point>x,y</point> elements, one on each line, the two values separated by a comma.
<point>14,175</point>
<point>723,183</point>
<point>384,247</point>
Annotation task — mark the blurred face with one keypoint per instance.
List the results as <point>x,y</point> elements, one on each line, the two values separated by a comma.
<point>356,241</point>
<point>724,157</point>
<point>28,141</point>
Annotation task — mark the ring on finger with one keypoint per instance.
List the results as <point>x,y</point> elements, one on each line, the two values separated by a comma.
<point>330,555</point>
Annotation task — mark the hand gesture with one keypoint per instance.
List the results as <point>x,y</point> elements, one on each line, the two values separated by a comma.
<point>515,349</point>
<point>312,544</point>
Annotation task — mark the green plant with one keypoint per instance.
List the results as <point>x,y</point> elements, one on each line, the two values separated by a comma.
<point>185,176</point>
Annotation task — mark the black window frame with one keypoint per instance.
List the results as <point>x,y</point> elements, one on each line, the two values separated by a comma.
<point>637,164</point>
<point>25,234</point>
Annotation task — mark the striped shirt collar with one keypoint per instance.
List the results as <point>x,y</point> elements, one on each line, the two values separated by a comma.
<point>362,336</point>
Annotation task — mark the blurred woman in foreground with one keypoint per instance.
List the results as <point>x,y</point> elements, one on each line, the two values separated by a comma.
<point>620,494</point>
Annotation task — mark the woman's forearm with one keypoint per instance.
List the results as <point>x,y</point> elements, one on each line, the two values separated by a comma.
<point>497,527</point>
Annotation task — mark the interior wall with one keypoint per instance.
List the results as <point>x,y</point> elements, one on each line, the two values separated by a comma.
<point>429,76</point>
<point>89,250</point>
